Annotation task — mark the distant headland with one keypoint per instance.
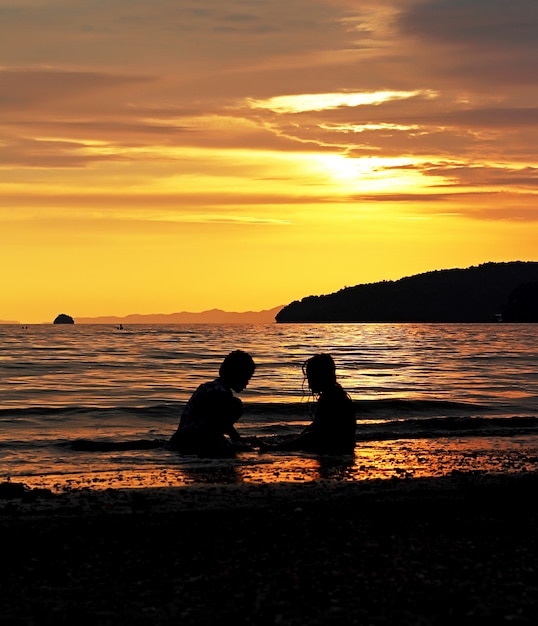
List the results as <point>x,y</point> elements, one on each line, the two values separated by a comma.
<point>484,293</point>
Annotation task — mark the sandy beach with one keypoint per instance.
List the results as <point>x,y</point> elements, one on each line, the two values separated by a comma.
<point>453,550</point>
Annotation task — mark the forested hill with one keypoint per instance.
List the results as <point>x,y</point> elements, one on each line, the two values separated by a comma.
<point>480,293</point>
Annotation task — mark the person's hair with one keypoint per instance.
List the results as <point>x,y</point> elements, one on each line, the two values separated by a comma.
<point>237,362</point>
<point>320,371</point>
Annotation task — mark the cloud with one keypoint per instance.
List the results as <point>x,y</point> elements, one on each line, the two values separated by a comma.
<point>149,88</point>
<point>476,42</point>
<point>38,88</point>
<point>488,177</point>
<point>473,23</point>
<point>162,32</point>
<point>326,101</point>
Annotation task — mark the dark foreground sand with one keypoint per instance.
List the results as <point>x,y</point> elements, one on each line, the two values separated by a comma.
<point>455,551</point>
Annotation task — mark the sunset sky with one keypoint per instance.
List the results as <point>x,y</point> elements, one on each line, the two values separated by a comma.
<point>182,155</point>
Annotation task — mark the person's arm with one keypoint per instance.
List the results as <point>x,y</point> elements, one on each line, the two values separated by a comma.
<point>304,441</point>
<point>308,440</point>
<point>233,434</point>
<point>233,412</point>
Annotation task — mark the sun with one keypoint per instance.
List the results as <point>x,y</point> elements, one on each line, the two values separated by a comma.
<point>338,167</point>
<point>350,175</point>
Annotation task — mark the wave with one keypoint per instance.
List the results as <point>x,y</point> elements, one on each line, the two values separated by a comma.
<point>398,405</point>
<point>14,413</point>
<point>429,428</point>
<point>372,409</point>
<point>149,427</point>
<point>89,445</point>
<point>426,428</point>
<point>363,407</point>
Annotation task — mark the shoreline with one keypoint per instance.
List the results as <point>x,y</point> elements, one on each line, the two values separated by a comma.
<point>460,549</point>
<point>35,501</point>
<point>414,460</point>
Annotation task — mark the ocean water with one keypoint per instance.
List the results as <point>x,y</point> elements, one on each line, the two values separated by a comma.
<point>91,406</point>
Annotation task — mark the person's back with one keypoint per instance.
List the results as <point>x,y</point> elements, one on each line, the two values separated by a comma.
<point>334,422</point>
<point>210,412</point>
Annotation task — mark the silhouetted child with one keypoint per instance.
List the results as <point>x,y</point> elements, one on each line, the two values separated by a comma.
<point>332,430</point>
<point>206,426</point>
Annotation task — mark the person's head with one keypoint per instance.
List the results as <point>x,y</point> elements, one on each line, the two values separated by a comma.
<point>237,369</point>
<point>320,371</point>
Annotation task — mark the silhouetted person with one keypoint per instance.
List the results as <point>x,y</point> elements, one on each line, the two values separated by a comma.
<point>207,423</point>
<point>332,430</point>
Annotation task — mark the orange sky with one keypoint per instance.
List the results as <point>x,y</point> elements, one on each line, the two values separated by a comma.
<point>181,155</point>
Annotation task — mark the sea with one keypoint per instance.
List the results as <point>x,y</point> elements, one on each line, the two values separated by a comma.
<point>92,406</point>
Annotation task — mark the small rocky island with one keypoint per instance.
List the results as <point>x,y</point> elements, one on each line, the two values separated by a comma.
<point>64,319</point>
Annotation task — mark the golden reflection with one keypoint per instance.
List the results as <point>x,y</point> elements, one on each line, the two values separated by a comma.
<point>335,468</point>
<point>380,460</point>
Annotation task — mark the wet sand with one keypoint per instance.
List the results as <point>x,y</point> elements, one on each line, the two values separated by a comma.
<point>408,458</point>
<point>459,549</point>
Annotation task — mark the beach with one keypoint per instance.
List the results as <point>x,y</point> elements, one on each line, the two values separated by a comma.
<point>457,549</point>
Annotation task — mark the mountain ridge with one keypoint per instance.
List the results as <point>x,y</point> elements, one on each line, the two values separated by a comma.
<point>210,316</point>
<point>488,292</point>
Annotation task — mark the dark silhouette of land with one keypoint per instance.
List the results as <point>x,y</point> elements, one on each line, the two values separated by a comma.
<point>522,304</point>
<point>483,293</point>
<point>64,319</point>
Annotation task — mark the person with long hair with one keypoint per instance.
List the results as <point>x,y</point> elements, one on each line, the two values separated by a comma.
<point>332,430</point>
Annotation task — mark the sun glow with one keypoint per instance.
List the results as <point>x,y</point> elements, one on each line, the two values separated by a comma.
<point>247,173</point>
<point>370,174</point>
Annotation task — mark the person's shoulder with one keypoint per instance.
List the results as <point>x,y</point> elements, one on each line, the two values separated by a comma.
<point>214,386</point>
<point>210,386</point>
<point>220,386</point>
<point>337,394</point>
<point>336,391</point>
